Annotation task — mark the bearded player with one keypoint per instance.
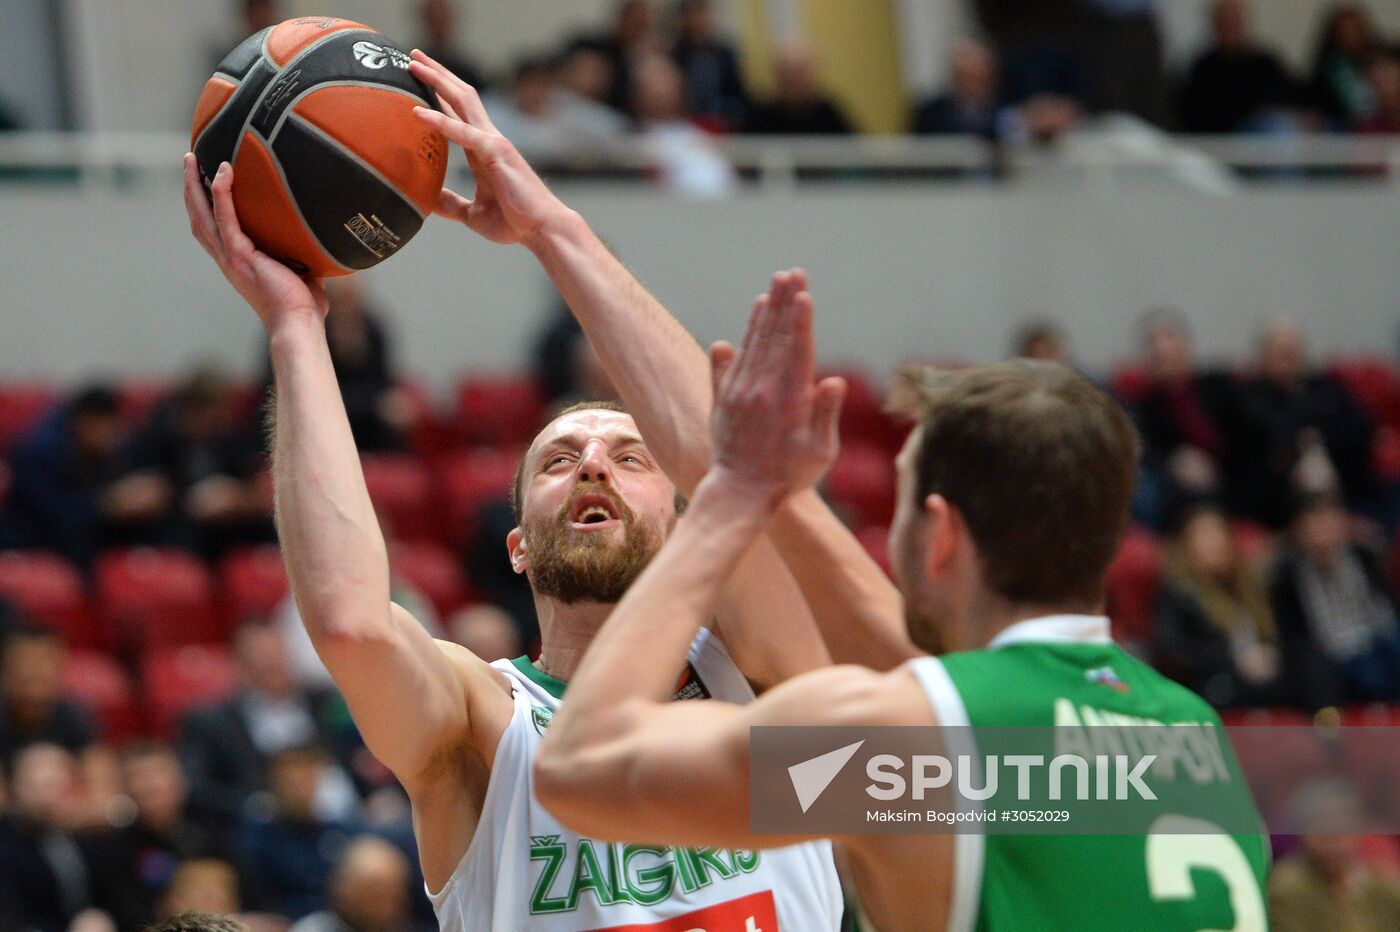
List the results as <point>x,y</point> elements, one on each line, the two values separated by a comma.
<point>594,505</point>
<point>1013,494</point>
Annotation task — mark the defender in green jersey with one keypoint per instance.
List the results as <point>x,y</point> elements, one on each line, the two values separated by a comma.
<point>1013,497</point>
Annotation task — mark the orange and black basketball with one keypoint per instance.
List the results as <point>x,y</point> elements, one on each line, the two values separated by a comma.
<point>332,172</point>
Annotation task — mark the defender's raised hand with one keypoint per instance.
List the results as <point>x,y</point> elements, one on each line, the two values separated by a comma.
<point>511,202</point>
<point>274,291</point>
<point>774,425</point>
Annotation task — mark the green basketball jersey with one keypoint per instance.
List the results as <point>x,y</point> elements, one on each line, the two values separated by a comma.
<point>1066,671</point>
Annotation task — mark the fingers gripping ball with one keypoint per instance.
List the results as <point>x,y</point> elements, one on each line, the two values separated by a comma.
<point>332,172</point>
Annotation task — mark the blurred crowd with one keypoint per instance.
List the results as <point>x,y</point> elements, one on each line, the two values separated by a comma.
<point>170,741</point>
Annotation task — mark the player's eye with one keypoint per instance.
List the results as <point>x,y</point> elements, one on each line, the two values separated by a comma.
<point>630,458</point>
<point>556,459</point>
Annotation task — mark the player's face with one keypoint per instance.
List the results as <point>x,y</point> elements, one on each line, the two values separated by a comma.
<point>595,508</point>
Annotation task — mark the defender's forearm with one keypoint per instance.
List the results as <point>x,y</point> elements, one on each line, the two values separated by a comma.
<point>657,367</point>
<point>331,542</point>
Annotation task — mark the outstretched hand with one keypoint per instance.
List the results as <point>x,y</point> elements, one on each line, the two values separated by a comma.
<point>511,203</point>
<point>774,425</point>
<point>274,291</point>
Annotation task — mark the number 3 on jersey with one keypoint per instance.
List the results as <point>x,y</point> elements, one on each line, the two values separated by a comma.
<point>1177,844</point>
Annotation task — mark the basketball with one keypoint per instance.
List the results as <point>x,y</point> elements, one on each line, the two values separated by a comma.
<point>332,172</point>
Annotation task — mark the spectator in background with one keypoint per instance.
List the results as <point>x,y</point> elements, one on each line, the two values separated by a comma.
<point>1327,884</point>
<point>438,26</point>
<point>210,463</point>
<point>133,866</point>
<point>548,122</point>
<point>287,847</point>
<point>1338,631</point>
<point>33,709</point>
<point>682,156</point>
<point>1236,85</point>
<point>969,105</point>
<point>586,72</point>
<point>1183,418</point>
<point>1384,77</point>
<point>1123,48</point>
<point>379,412</point>
<point>198,922</point>
<point>368,891</point>
<point>1347,43</point>
<point>1214,628</point>
<point>1045,89</point>
<point>259,15</point>
<point>1040,339</point>
<point>67,493</point>
<point>632,37</point>
<point>44,877</point>
<point>226,747</point>
<point>1297,431</point>
<point>714,86</point>
<point>488,631</point>
<point>799,105</point>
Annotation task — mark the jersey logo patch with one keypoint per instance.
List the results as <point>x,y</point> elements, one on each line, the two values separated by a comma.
<point>753,913</point>
<point>1105,676</point>
<point>690,685</point>
<point>540,717</point>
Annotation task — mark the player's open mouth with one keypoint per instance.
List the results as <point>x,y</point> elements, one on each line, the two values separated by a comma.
<point>594,512</point>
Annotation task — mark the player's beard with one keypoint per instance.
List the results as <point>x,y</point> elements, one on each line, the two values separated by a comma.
<point>581,566</point>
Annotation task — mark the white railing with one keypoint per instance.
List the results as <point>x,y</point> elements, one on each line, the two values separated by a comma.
<point>1099,155</point>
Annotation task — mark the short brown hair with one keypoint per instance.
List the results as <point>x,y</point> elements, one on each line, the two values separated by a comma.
<point>517,491</point>
<point>198,922</point>
<point>1039,462</point>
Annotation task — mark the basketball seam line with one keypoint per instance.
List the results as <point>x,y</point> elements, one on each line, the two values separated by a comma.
<point>359,160</point>
<point>278,70</point>
<point>291,198</point>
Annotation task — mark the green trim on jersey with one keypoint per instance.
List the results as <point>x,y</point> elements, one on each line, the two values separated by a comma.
<point>1097,883</point>
<point>555,687</point>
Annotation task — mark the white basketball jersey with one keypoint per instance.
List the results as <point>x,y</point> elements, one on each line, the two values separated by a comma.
<point>525,871</point>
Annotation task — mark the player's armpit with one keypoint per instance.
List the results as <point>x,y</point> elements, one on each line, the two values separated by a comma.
<point>678,773</point>
<point>411,696</point>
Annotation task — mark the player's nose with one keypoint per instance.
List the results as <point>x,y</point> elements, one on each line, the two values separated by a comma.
<point>594,465</point>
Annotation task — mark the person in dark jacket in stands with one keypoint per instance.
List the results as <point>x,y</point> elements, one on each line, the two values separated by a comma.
<point>133,865</point>
<point>226,747</point>
<point>1214,630</point>
<point>969,105</point>
<point>67,490</point>
<point>1236,85</point>
<point>1337,624</point>
<point>1297,431</point>
<point>799,107</point>
<point>714,85</point>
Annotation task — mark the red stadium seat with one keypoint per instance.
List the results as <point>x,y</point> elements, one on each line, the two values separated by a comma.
<point>428,433</point>
<point>46,588</point>
<point>433,571</point>
<point>1133,580</point>
<point>252,581</point>
<point>99,683</point>
<point>158,598</point>
<point>402,492</point>
<point>863,481</point>
<point>176,680</point>
<point>875,538</point>
<point>499,410</point>
<point>140,397</point>
<point>22,404</point>
<point>1130,383</point>
<point>1374,383</point>
<point>863,416</point>
<point>468,481</point>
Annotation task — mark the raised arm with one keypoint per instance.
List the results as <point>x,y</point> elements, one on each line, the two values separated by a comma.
<point>619,759</point>
<point>408,697</point>
<point>660,371</point>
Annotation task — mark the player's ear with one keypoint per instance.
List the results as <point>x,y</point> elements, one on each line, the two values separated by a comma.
<point>942,527</point>
<point>515,547</point>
